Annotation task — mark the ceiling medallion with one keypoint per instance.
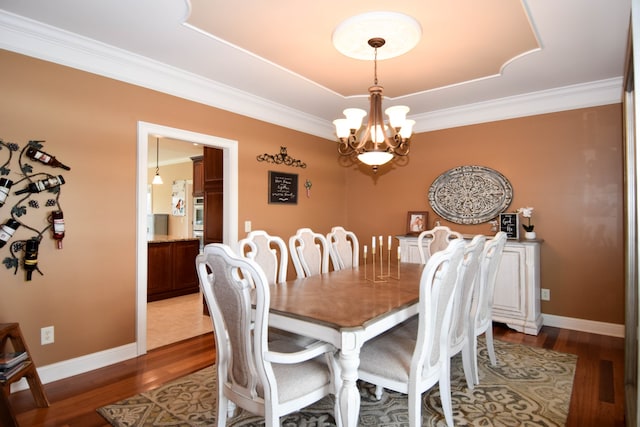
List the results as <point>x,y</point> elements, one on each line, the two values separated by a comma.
<point>470,194</point>
<point>400,32</point>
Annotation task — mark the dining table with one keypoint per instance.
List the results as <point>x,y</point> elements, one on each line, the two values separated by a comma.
<point>347,308</point>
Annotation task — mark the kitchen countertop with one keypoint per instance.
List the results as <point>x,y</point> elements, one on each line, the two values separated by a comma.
<point>163,238</point>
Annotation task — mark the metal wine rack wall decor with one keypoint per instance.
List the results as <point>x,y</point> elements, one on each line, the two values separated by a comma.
<point>22,200</point>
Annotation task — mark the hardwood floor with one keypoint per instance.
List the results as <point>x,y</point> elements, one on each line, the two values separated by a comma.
<point>597,399</point>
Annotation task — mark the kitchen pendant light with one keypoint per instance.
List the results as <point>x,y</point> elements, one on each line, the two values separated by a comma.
<point>157,179</point>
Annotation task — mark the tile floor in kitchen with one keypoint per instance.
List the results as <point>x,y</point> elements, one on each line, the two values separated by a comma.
<point>175,319</point>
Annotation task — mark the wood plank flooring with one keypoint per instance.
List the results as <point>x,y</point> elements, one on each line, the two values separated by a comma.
<point>597,399</point>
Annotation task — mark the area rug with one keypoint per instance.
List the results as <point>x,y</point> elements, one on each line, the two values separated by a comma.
<point>528,387</point>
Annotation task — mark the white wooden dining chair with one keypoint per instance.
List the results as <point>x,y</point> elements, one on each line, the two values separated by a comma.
<point>270,252</point>
<point>459,341</point>
<point>252,373</point>
<point>482,304</point>
<point>460,323</point>
<point>412,362</point>
<point>343,248</point>
<point>309,253</point>
<point>437,239</point>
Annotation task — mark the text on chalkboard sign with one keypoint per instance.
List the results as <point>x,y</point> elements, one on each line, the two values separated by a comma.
<point>509,224</point>
<point>283,187</point>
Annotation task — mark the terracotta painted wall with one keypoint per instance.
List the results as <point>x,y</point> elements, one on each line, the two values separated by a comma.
<point>90,122</point>
<point>567,165</point>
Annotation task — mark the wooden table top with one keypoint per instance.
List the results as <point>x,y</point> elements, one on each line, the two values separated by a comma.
<point>345,299</point>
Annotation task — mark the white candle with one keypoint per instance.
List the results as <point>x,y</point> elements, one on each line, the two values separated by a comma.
<point>389,243</point>
<point>398,253</point>
<point>380,242</point>
<point>365,251</point>
<point>373,243</point>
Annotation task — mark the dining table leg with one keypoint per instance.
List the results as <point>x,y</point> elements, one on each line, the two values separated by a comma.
<point>348,394</point>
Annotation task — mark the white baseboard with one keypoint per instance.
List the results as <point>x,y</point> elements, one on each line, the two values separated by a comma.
<point>90,362</point>
<point>80,365</point>
<point>591,326</point>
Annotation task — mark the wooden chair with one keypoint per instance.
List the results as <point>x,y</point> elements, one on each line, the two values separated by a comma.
<point>343,248</point>
<point>270,252</point>
<point>482,303</point>
<point>309,253</point>
<point>254,373</point>
<point>412,362</point>
<point>438,239</point>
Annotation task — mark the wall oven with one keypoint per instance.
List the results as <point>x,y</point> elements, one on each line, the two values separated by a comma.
<point>198,213</point>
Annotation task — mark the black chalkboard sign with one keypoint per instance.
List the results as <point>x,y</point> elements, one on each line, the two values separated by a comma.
<point>509,224</point>
<point>283,188</point>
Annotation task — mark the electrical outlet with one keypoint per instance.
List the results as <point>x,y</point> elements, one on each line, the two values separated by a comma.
<point>46,335</point>
<point>247,226</point>
<point>545,294</point>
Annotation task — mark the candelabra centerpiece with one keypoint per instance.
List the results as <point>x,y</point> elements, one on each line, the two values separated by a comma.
<point>378,273</point>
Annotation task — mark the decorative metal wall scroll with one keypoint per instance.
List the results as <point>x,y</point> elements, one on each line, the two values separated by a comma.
<point>31,191</point>
<point>281,158</point>
<point>470,194</point>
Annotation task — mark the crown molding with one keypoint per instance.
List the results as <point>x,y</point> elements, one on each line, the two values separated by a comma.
<point>38,40</point>
<point>601,92</point>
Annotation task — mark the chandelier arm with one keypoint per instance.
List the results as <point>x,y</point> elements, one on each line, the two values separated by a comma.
<point>345,148</point>
<point>397,142</point>
<point>402,147</point>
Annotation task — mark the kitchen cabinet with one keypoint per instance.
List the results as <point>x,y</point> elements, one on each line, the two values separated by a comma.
<point>213,192</point>
<point>198,176</point>
<point>516,297</point>
<point>171,268</point>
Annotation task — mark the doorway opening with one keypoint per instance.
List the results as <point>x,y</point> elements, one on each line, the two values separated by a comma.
<point>230,206</point>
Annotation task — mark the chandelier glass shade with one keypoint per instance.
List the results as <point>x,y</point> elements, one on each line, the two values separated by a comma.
<point>378,142</point>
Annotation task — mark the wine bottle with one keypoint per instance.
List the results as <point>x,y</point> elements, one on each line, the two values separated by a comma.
<point>47,159</point>
<point>31,256</point>
<point>43,184</point>
<point>6,231</point>
<point>57,218</point>
<point>5,185</point>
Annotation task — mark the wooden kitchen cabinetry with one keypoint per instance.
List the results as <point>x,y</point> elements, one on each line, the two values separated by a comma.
<point>516,297</point>
<point>198,176</point>
<point>213,194</point>
<point>171,268</point>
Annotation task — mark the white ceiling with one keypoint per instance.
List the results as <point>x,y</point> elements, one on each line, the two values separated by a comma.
<point>274,61</point>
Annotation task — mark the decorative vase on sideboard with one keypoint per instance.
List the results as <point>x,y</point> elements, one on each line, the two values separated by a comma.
<point>530,235</point>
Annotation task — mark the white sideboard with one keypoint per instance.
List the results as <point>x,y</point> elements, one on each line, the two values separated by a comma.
<point>516,299</point>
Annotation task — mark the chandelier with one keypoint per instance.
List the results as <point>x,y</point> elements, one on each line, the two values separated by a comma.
<point>378,143</point>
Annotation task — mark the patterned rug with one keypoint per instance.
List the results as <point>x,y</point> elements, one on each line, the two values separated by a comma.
<point>529,387</point>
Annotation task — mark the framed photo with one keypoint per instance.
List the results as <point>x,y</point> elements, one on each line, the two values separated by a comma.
<point>416,222</point>
<point>283,188</point>
<point>509,224</point>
